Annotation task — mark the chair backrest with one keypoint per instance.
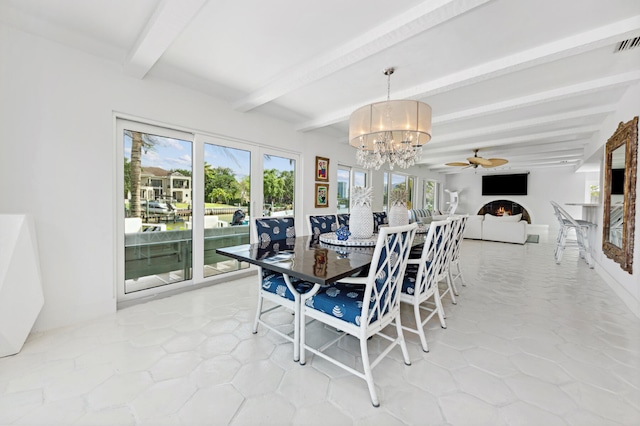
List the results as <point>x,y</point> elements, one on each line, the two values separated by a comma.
<point>379,218</point>
<point>321,224</point>
<point>272,228</point>
<point>384,281</point>
<point>433,257</point>
<point>460,223</point>
<point>343,219</point>
<point>445,240</point>
<point>564,218</point>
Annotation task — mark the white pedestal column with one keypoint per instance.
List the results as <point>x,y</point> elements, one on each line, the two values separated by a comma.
<point>21,297</point>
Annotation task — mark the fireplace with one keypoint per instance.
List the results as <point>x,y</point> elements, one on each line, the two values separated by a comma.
<point>505,207</point>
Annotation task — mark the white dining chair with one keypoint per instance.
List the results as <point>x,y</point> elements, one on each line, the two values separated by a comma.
<point>420,285</point>
<point>581,229</point>
<point>454,262</point>
<point>364,309</point>
<point>449,247</point>
<point>280,289</point>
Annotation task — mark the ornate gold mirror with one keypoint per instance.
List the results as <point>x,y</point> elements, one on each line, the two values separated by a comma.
<point>621,169</point>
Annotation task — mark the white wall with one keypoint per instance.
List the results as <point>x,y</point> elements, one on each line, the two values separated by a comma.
<point>57,158</point>
<point>558,184</point>
<point>626,285</point>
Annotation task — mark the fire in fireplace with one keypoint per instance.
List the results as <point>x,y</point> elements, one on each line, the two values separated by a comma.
<point>505,207</point>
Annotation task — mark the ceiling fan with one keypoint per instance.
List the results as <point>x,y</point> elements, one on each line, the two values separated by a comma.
<point>476,161</point>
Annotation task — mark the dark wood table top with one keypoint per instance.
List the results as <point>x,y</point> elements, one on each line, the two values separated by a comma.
<point>306,258</point>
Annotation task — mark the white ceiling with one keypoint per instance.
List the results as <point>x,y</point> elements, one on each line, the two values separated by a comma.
<point>527,80</point>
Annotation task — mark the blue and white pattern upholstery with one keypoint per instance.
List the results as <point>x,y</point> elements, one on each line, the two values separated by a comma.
<point>379,218</point>
<point>275,228</point>
<point>274,235</point>
<point>343,219</point>
<point>415,214</point>
<point>321,224</point>
<point>343,301</point>
<point>362,307</point>
<point>422,276</point>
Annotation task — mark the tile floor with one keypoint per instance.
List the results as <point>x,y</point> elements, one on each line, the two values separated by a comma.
<point>529,343</point>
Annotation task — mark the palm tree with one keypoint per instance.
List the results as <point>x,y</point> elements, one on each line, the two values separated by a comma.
<point>138,142</point>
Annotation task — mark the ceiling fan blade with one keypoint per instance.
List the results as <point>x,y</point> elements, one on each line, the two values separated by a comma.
<point>457,164</point>
<point>495,162</point>
<point>479,160</point>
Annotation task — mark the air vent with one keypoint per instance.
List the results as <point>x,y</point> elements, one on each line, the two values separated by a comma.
<point>628,44</point>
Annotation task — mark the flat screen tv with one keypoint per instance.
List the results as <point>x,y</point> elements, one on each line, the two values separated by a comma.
<point>617,181</point>
<point>513,184</point>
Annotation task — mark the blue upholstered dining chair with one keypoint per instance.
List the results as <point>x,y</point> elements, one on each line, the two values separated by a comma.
<point>343,219</point>
<point>379,218</point>
<point>321,224</point>
<point>421,280</point>
<point>363,307</point>
<point>276,233</point>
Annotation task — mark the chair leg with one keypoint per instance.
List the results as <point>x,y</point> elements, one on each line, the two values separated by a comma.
<point>420,329</point>
<point>459,274</point>
<point>451,291</point>
<point>403,344</point>
<point>562,240</point>
<point>368,375</point>
<point>452,281</point>
<point>439,307</point>
<point>584,236</point>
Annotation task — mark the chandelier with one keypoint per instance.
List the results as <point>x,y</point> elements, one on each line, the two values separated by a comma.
<point>390,131</point>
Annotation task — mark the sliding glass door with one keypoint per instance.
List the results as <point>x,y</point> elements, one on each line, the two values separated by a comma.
<point>183,196</point>
<point>227,201</point>
<point>156,189</point>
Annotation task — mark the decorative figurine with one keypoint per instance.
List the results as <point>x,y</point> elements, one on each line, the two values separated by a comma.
<point>343,233</point>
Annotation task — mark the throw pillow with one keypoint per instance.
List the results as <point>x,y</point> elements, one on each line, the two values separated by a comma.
<point>514,218</point>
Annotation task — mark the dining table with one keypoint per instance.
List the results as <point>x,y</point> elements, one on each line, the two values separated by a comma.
<point>310,259</point>
<point>307,257</point>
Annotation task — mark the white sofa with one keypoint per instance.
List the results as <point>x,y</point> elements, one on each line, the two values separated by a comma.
<point>507,229</point>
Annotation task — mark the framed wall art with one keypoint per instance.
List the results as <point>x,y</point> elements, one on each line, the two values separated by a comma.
<point>322,169</point>
<point>322,195</point>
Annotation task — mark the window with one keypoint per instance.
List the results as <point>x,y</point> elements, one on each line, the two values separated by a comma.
<point>348,177</point>
<point>279,177</point>
<point>227,192</point>
<point>157,239</point>
<point>431,194</point>
<point>394,181</point>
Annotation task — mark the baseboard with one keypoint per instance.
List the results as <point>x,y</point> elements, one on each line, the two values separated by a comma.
<point>632,303</point>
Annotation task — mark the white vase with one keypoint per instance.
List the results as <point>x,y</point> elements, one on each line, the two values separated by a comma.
<point>361,221</point>
<point>398,215</point>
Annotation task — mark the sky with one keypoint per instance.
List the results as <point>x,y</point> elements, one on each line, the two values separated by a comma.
<point>169,154</point>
